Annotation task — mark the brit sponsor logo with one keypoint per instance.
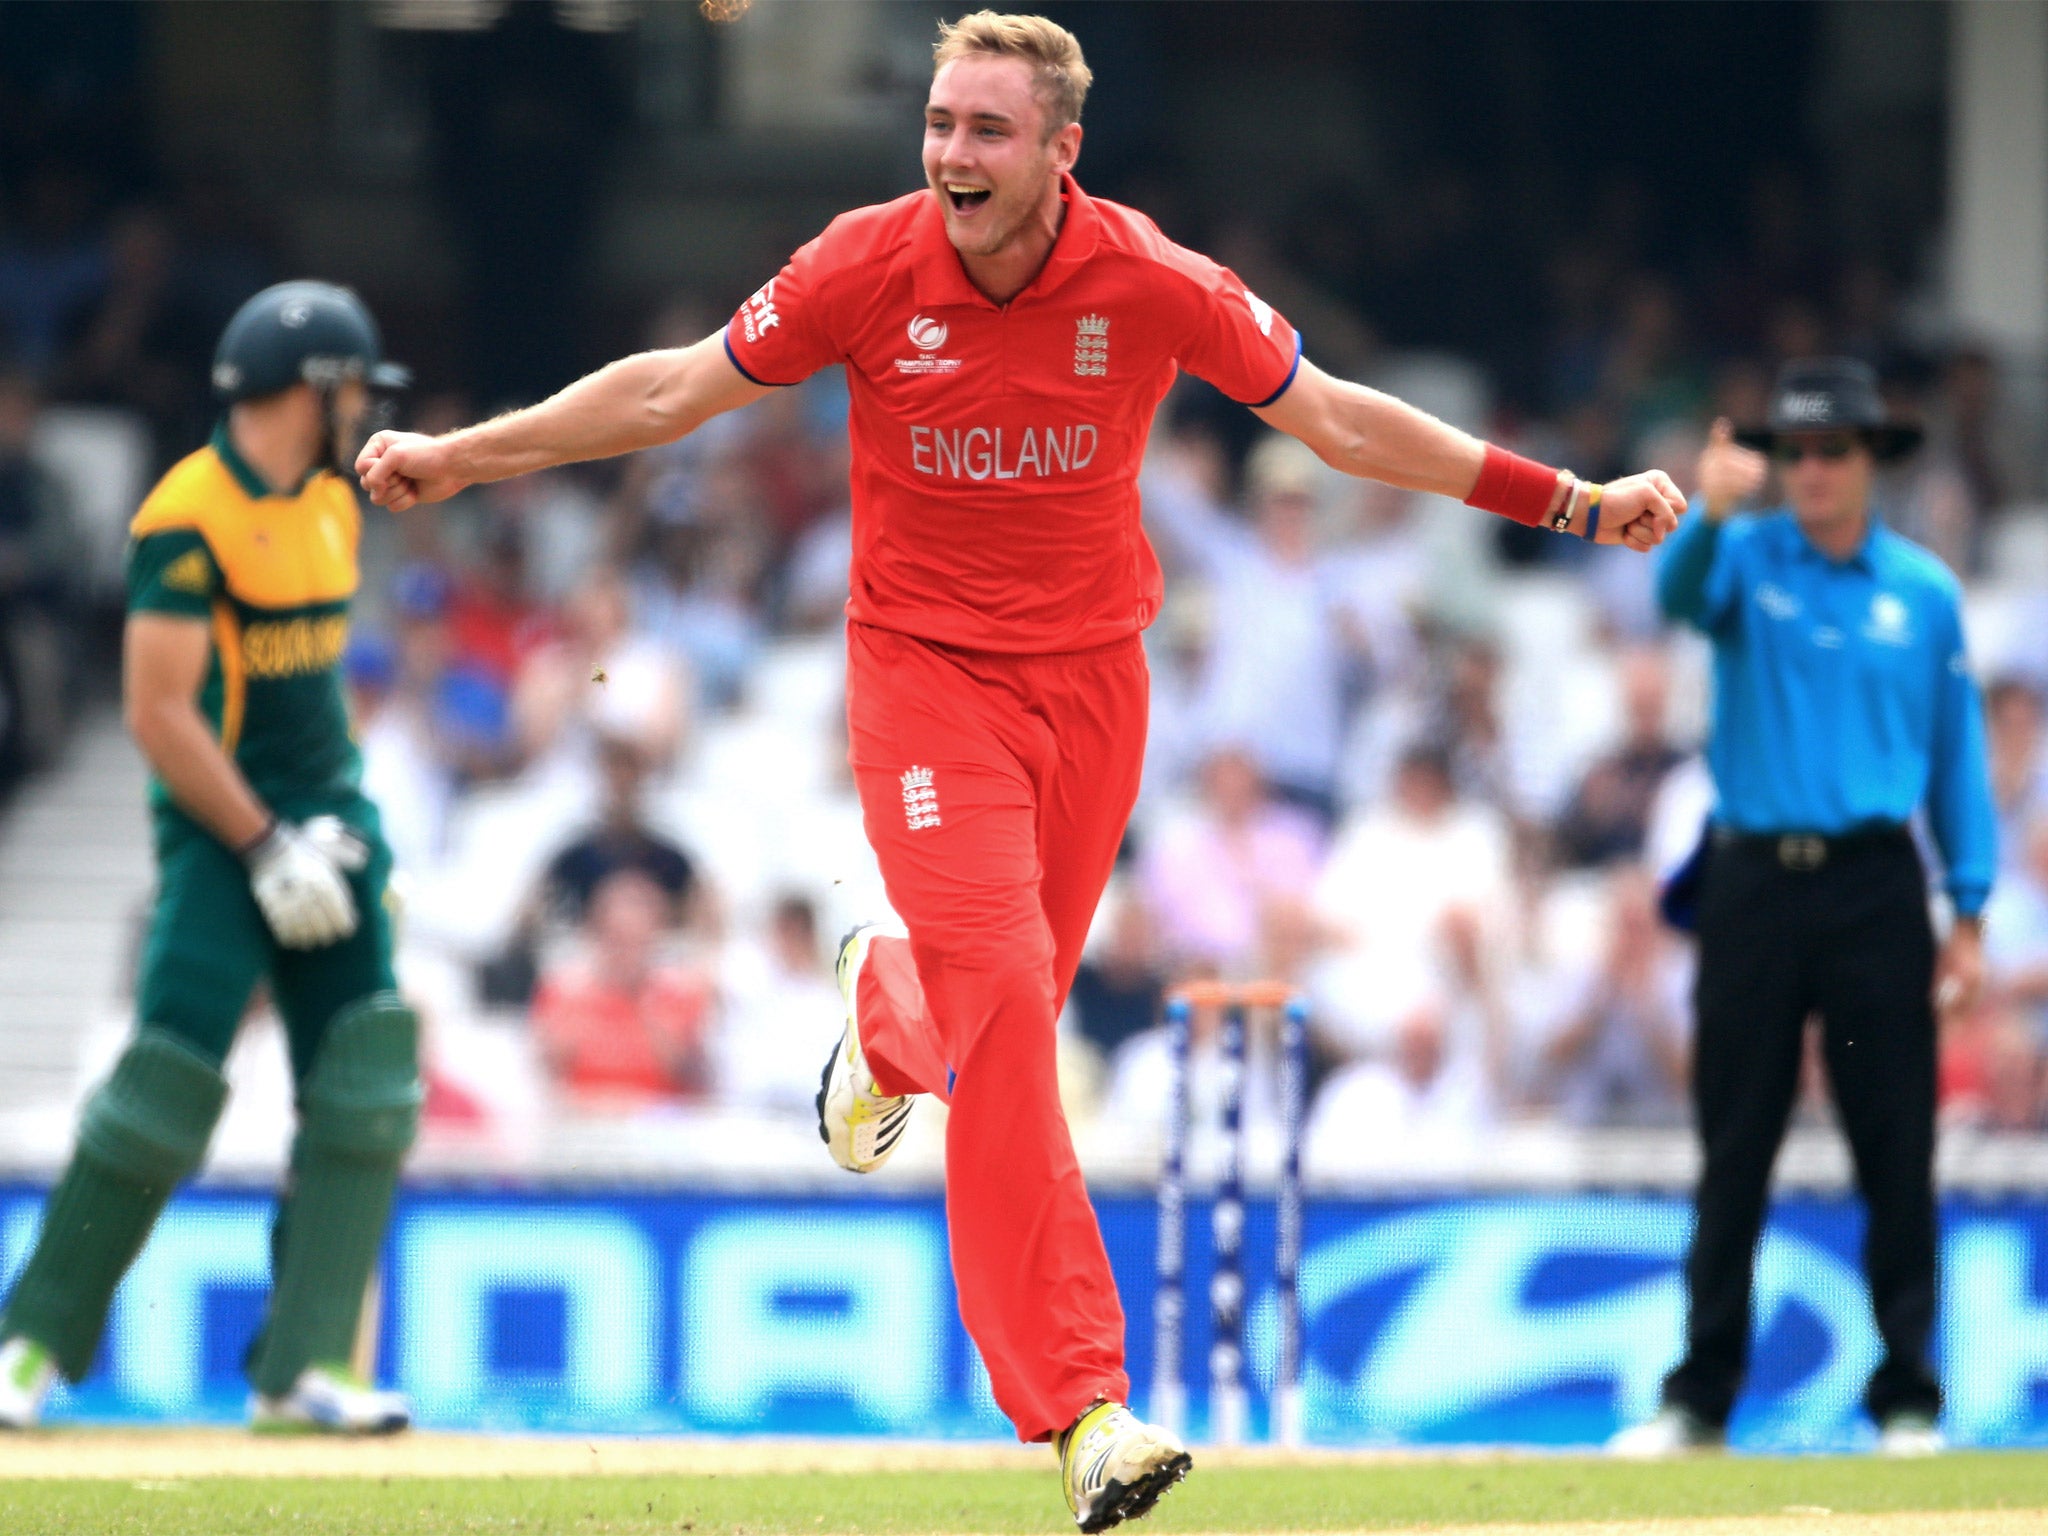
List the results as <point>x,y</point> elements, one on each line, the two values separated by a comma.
<point>1091,347</point>
<point>920,799</point>
<point>757,315</point>
<point>997,453</point>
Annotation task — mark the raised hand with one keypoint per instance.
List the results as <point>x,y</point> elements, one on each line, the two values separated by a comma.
<point>1640,510</point>
<point>404,469</point>
<point>1729,473</point>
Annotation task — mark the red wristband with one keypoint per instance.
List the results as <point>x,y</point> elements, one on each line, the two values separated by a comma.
<point>1514,487</point>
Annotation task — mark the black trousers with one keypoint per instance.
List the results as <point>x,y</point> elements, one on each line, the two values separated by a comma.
<point>1848,940</point>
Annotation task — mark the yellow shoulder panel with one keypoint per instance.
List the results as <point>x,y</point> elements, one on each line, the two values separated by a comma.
<point>188,492</point>
<point>347,510</point>
<point>279,552</point>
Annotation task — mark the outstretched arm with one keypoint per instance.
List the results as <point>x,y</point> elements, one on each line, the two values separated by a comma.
<point>636,402</point>
<point>1377,437</point>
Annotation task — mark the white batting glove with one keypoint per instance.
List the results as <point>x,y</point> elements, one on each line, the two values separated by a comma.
<point>299,874</point>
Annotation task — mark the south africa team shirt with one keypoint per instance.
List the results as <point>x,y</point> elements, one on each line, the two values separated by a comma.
<point>271,575</point>
<point>996,447</point>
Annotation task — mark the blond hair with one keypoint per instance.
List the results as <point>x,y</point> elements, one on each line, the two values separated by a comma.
<point>1061,75</point>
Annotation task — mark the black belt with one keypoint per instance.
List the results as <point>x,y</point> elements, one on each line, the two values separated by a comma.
<point>1803,852</point>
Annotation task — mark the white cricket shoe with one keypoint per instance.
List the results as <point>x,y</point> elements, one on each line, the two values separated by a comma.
<point>1910,1436</point>
<point>859,1125</point>
<point>1673,1432</point>
<point>1114,1466</point>
<point>26,1375</point>
<point>329,1400</point>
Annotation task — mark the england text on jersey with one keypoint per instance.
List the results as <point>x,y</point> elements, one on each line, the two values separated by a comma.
<point>978,453</point>
<point>996,447</point>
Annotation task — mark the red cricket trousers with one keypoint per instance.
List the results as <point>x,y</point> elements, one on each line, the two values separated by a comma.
<point>995,790</point>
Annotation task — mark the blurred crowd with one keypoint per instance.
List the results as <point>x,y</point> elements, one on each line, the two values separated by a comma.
<point>1440,796</point>
<point>1398,758</point>
<point>1427,767</point>
<point>109,309</point>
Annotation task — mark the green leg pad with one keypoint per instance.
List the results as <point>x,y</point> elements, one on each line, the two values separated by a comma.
<point>144,1132</point>
<point>358,1111</point>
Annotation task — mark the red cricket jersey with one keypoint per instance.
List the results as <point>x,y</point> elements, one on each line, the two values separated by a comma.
<point>996,448</point>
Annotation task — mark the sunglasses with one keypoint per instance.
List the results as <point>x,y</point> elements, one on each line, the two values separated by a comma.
<point>1832,449</point>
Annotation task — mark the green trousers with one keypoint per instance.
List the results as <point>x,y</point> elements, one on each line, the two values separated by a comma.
<point>353,1048</point>
<point>208,945</point>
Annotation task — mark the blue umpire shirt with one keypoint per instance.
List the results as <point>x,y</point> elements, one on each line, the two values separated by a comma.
<point>1842,691</point>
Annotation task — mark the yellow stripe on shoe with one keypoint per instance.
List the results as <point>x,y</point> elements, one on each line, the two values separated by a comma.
<point>1114,1466</point>
<point>859,1125</point>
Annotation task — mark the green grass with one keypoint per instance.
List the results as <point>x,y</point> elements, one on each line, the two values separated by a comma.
<point>878,1504</point>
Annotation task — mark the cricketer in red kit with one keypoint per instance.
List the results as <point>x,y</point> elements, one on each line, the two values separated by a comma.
<point>996,690</point>
<point>1006,340</point>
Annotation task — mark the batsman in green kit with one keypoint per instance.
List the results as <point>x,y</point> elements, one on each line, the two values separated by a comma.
<point>271,869</point>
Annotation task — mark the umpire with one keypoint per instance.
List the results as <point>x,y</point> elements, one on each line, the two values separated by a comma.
<point>1844,707</point>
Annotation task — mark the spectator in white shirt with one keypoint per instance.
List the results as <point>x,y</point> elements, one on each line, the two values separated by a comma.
<point>1278,662</point>
<point>781,1010</point>
<point>1394,876</point>
<point>1423,1108</point>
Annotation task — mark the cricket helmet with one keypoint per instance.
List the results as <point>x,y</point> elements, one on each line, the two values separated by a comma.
<point>301,332</point>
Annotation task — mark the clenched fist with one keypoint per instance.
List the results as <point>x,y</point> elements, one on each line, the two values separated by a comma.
<point>404,469</point>
<point>1640,510</point>
<point>1729,473</point>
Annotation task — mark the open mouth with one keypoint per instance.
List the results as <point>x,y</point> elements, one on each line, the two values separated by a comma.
<point>965,199</point>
